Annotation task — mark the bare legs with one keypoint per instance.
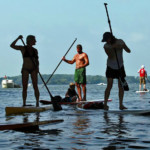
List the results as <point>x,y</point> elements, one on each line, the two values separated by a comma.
<point>25,78</point>
<point>34,77</point>
<point>107,93</point>
<point>121,95</point>
<point>144,87</point>
<point>79,91</point>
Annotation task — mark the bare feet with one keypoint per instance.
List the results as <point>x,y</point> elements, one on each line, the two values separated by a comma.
<point>106,107</point>
<point>122,107</point>
<point>37,104</point>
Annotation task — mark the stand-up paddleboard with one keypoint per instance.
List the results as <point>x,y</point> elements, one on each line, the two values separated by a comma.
<point>45,102</point>
<point>26,109</point>
<point>27,125</point>
<point>133,112</point>
<point>142,91</point>
<point>91,105</point>
<point>122,112</point>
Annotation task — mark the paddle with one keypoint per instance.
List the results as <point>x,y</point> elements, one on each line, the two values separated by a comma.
<point>54,100</point>
<point>124,84</point>
<point>61,61</point>
<point>148,80</point>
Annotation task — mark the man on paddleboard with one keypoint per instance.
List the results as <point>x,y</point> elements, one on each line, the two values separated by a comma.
<point>112,71</point>
<point>143,74</point>
<point>81,60</point>
<point>29,53</point>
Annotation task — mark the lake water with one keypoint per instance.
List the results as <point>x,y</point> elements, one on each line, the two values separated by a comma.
<point>80,130</point>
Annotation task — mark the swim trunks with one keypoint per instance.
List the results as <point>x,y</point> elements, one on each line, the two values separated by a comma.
<point>80,76</point>
<point>115,73</point>
<point>142,80</point>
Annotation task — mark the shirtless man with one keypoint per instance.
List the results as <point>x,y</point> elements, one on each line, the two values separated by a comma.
<point>82,61</point>
<point>28,66</point>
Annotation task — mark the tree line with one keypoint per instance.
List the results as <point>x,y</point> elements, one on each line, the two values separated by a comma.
<point>67,78</point>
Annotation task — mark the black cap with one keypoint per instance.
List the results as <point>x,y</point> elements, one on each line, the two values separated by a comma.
<point>106,36</point>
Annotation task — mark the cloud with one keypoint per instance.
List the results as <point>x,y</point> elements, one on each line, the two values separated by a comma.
<point>136,37</point>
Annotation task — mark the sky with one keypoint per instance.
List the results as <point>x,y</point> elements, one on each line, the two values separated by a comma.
<point>56,24</point>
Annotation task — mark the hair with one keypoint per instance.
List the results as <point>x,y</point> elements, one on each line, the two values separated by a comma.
<point>108,35</point>
<point>79,46</point>
<point>29,38</point>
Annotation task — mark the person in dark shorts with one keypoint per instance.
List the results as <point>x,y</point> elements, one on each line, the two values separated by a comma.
<point>30,66</point>
<point>112,70</point>
<point>81,60</point>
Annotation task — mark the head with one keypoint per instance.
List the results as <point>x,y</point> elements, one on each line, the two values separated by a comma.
<point>142,67</point>
<point>30,40</point>
<point>72,86</point>
<point>108,37</point>
<point>79,48</point>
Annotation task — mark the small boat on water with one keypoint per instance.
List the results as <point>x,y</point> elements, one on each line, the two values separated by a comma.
<point>101,84</point>
<point>6,83</point>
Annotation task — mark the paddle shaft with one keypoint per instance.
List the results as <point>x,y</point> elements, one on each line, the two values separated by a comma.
<point>60,61</point>
<point>109,22</point>
<point>122,80</point>
<point>39,74</point>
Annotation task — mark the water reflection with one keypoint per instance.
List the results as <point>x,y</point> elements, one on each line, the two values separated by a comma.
<point>119,133</point>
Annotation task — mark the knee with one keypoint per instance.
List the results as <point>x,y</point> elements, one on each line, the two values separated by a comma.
<point>77,85</point>
<point>109,86</point>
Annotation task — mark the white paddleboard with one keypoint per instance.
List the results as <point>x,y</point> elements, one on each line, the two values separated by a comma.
<point>122,112</point>
<point>132,112</point>
<point>142,91</point>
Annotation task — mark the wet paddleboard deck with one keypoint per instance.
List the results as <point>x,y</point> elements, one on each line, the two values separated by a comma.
<point>133,112</point>
<point>26,109</point>
<point>45,102</point>
<point>28,124</point>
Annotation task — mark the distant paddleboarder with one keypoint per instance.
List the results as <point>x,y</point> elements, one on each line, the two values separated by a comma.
<point>143,74</point>
<point>112,71</point>
<point>28,67</point>
<point>81,60</point>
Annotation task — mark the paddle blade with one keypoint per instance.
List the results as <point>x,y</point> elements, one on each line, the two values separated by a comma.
<point>56,104</point>
<point>124,84</point>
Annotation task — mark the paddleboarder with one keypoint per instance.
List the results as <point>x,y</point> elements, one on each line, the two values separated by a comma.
<point>143,74</point>
<point>112,70</point>
<point>28,66</point>
<point>81,59</point>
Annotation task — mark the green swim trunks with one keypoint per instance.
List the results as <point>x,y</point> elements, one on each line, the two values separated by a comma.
<point>80,76</point>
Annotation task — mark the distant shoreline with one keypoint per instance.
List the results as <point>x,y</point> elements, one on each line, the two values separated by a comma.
<point>67,78</point>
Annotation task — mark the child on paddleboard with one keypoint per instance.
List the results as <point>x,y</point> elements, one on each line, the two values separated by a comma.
<point>71,94</point>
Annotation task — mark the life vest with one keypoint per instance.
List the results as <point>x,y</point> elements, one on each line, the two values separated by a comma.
<point>142,72</point>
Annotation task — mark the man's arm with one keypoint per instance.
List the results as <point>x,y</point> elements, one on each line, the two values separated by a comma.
<point>109,52</point>
<point>86,60</point>
<point>13,44</point>
<point>69,61</point>
<point>126,48</point>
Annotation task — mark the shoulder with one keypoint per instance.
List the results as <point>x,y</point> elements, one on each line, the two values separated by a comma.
<point>120,41</point>
<point>34,49</point>
<point>85,54</point>
<point>107,46</point>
